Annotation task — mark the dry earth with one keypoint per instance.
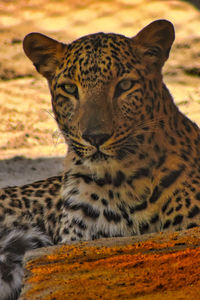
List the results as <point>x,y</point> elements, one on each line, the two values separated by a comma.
<point>27,126</point>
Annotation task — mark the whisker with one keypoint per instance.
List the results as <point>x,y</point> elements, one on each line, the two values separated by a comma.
<point>78,146</point>
<point>51,114</point>
<point>150,122</point>
<point>57,138</point>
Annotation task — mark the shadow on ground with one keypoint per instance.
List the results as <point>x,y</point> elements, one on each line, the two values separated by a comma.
<point>20,170</point>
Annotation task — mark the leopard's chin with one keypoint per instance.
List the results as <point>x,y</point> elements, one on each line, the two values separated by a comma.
<point>98,162</point>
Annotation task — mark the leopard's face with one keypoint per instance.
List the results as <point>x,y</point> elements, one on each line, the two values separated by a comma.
<point>98,97</point>
<point>104,88</point>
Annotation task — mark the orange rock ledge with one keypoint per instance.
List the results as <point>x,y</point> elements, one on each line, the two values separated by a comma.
<point>156,266</point>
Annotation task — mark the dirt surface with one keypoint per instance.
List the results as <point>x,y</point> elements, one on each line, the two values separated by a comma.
<point>27,125</point>
<point>151,267</point>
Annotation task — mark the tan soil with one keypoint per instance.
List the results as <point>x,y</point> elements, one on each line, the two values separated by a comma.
<point>27,125</point>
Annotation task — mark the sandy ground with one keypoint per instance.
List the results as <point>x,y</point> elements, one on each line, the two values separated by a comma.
<point>28,130</point>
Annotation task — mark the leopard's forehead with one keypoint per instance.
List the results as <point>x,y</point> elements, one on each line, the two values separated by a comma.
<point>98,57</point>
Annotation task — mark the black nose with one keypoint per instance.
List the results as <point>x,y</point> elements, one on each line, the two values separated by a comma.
<point>96,139</point>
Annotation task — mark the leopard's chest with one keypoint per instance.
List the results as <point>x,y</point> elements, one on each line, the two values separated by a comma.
<point>96,208</point>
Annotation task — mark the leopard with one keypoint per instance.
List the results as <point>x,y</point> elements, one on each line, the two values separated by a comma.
<point>133,160</point>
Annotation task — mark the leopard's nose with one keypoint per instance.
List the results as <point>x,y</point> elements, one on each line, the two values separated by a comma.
<point>96,139</point>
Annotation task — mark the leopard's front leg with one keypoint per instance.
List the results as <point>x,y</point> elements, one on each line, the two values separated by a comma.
<point>14,243</point>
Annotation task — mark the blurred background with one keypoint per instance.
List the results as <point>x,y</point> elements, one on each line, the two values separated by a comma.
<point>27,127</point>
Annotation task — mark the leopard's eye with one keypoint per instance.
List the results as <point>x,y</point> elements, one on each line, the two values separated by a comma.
<point>70,88</point>
<point>125,85</point>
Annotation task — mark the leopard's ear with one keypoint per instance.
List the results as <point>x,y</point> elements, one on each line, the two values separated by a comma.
<point>154,41</point>
<point>44,52</point>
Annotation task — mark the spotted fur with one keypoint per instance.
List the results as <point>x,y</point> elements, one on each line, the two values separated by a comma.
<point>133,164</point>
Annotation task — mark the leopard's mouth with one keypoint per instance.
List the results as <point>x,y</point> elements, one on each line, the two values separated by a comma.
<point>99,156</point>
<point>89,153</point>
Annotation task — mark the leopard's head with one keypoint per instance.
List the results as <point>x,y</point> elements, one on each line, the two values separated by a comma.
<point>105,87</point>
